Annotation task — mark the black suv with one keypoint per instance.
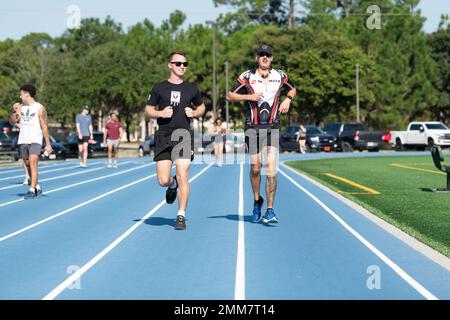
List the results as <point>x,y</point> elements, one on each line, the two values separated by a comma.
<point>316,139</point>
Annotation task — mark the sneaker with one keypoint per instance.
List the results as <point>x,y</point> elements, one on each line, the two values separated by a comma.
<point>270,217</point>
<point>109,166</point>
<point>38,192</point>
<point>256,217</point>
<point>114,165</point>
<point>27,181</point>
<point>171,194</point>
<point>30,195</point>
<point>181,223</point>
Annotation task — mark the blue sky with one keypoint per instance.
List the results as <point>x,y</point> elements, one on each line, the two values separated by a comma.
<point>19,18</point>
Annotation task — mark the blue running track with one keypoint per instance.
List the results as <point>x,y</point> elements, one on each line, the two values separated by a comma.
<point>101,233</point>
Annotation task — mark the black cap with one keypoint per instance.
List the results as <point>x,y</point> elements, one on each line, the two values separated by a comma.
<point>264,49</point>
<point>85,108</point>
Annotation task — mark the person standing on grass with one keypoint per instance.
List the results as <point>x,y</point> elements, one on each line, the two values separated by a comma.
<point>85,132</point>
<point>111,136</point>
<point>31,116</point>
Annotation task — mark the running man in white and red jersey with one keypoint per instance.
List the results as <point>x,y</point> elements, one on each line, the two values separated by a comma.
<point>261,88</point>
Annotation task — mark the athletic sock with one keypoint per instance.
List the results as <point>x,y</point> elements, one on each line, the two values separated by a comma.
<point>181,213</point>
<point>174,184</point>
<point>38,187</point>
<point>32,190</point>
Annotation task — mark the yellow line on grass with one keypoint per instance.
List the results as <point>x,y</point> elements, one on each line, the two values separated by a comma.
<point>416,169</point>
<point>369,190</point>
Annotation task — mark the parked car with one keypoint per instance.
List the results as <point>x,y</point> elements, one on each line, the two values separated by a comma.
<point>421,135</point>
<point>5,126</point>
<point>6,143</point>
<point>147,147</point>
<point>59,151</point>
<point>354,136</point>
<point>316,139</point>
<point>95,149</point>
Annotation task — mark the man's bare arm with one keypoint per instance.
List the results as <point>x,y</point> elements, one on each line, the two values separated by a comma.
<point>236,97</point>
<point>43,120</point>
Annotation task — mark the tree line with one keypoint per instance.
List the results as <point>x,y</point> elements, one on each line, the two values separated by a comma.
<point>404,72</point>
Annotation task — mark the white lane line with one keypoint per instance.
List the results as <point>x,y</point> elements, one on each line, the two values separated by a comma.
<point>41,166</point>
<point>405,276</point>
<point>34,225</point>
<point>81,183</point>
<point>239,288</point>
<point>42,172</point>
<point>60,288</point>
<point>61,177</point>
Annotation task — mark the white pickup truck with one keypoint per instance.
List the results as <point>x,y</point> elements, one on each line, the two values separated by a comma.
<point>421,135</point>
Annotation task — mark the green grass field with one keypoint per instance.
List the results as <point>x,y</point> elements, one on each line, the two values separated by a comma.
<point>405,198</point>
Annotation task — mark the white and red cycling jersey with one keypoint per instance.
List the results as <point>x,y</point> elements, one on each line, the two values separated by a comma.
<point>263,113</point>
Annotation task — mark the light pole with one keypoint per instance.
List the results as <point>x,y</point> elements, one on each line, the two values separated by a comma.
<point>214,93</point>
<point>357,93</point>
<point>227,103</point>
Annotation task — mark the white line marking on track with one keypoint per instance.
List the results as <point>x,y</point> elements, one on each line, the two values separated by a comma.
<point>42,172</point>
<point>412,282</point>
<point>41,166</point>
<point>239,289</point>
<point>34,225</point>
<point>61,177</point>
<point>81,183</point>
<point>75,276</point>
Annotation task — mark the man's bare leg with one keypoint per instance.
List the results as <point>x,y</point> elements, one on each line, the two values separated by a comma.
<point>271,173</point>
<point>255,175</point>
<point>164,173</point>
<point>183,166</point>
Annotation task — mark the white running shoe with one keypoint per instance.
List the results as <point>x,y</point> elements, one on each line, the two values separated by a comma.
<point>27,181</point>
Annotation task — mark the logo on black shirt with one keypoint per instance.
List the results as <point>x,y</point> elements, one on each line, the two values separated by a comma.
<point>175,98</point>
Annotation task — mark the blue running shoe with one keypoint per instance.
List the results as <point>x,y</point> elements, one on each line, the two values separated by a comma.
<point>256,217</point>
<point>270,217</point>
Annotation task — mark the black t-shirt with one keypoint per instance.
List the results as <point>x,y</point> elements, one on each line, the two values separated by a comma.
<point>178,96</point>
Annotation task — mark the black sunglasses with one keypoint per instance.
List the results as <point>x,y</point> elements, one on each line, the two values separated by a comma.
<point>264,54</point>
<point>178,63</point>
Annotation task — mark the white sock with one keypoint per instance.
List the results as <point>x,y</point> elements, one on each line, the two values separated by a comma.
<point>181,213</point>
<point>38,187</point>
<point>32,190</point>
<point>174,184</point>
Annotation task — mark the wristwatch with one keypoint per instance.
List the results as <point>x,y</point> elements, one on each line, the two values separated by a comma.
<point>290,98</point>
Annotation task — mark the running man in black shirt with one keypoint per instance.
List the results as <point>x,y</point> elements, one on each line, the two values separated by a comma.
<point>174,102</point>
<point>261,88</point>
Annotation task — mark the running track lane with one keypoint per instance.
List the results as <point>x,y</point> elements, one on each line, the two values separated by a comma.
<point>308,255</point>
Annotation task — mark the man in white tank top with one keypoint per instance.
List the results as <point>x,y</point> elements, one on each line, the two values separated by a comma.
<point>31,117</point>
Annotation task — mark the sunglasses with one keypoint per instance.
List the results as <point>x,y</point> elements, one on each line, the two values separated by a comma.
<point>179,64</point>
<point>268,55</point>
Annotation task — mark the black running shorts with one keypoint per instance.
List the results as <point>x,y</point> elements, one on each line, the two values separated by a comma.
<point>174,144</point>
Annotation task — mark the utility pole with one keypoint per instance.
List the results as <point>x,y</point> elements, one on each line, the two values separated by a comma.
<point>357,93</point>
<point>214,93</point>
<point>227,103</point>
<point>291,14</point>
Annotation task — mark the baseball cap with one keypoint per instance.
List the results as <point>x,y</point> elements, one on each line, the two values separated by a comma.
<point>264,49</point>
<point>85,108</point>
